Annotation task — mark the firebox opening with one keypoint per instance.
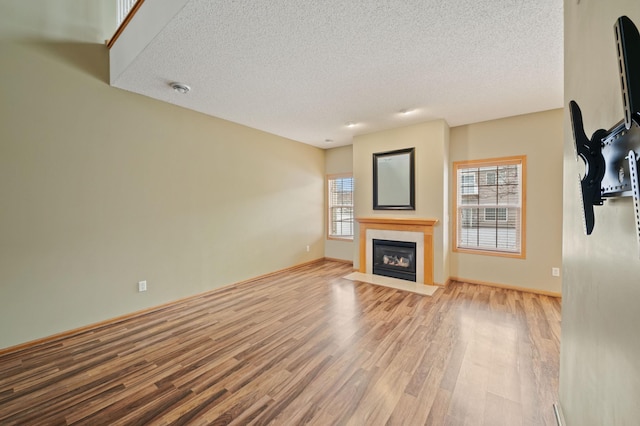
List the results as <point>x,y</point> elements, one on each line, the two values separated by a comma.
<point>396,259</point>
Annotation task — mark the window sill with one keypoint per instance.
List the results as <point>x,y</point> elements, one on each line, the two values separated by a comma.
<point>346,239</point>
<point>490,253</point>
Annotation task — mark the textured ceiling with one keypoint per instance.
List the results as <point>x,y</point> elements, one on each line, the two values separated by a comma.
<point>303,70</point>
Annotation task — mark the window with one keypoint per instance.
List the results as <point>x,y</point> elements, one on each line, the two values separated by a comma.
<point>493,213</point>
<point>490,177</point>
<point>340,202</point>
<point>490,206</point>
<point>468,183</point>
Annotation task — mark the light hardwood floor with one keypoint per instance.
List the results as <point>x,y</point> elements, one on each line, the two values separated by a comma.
<point>304,346</point>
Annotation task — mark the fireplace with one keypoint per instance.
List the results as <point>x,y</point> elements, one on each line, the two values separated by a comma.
<point>395,259</point>
<point>418,231</point>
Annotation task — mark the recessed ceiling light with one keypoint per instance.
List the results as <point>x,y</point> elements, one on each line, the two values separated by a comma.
<point>180,88</point>
<point>351,124</point>
<point>405,111</point>
<point>328,141</point>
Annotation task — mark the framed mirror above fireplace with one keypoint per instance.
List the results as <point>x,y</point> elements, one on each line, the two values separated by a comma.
<point>394,180</point>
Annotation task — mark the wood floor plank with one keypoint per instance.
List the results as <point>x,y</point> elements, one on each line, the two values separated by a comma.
<point>437,414</point>
<point>303,346</point>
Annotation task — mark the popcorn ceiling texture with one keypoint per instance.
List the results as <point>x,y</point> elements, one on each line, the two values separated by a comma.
<point>302,70</point>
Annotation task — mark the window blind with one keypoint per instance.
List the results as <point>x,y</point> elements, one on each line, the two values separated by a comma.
<point>489,206</point>
<point>340,207</point>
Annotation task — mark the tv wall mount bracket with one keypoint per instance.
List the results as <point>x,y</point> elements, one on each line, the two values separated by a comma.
<point>611,156</point>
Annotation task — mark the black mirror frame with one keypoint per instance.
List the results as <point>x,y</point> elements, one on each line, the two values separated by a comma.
<point>412,180</point>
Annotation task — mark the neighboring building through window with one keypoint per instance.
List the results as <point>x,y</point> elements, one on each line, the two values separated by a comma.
<point>490,206</point>
<point>490,177</point>
<point>495,213</point>
<point>468,183</point>
<point>340,201</point>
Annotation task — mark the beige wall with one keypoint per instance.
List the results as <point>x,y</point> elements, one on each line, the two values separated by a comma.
<point>431,143</point>
<point>599,369</point>
<point>102,188</point>
<point>539,137</point>
<point>60,20</point>
<point>338,161</point>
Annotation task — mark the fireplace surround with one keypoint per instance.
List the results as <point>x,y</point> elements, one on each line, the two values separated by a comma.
<point>418,231</point>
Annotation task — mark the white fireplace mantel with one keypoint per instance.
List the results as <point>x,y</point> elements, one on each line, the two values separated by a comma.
<point>419,231</point>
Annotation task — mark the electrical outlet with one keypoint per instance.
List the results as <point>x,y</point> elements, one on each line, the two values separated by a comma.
<point>308,248</point>
<point>555,272</point>
<point>142,286</point>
